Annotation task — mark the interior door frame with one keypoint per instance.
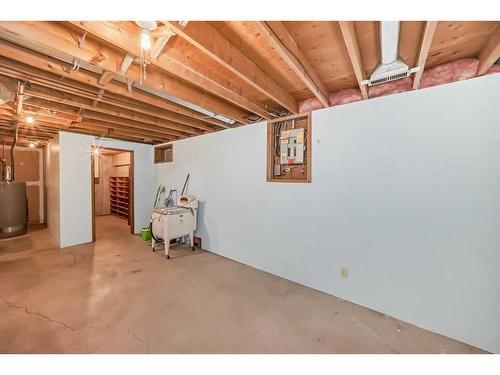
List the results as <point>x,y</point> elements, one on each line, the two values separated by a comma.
<point>131,198</point>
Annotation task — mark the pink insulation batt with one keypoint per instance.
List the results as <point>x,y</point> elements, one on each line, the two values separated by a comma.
<point>393,87</point>
<point>345,96</point>
<point>450,72</point>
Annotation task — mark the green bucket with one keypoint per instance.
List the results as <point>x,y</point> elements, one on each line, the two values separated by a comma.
<point>146,234</point>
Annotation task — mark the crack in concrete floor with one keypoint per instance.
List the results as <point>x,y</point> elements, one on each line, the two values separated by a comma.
<point>45,317</point>
<point>138,339</point>
<point>243,286</point>
<point>374,333</point>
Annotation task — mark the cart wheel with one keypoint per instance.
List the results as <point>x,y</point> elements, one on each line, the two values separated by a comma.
<point>168,256</point>
<point>192,248</point>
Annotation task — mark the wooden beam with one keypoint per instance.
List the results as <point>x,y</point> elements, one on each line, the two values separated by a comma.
<point>98,98</point>
<point>126,37</point>
<point>208,40</point>
<point>42,129</point>
<point>102,128</point>
<point>105,78</point>
<point>425,45</point>
<point>21,141</point>
<point>107,133</point>
<point>100,117</point>
<point>290,52</point>
<point>490,52</point>
<point>126,129</point>
<point>59,97</point>
<point>351,42</point>
<point>51,65</point>
<point>126,62</point>
<point>110,103</point>
<point>160,43</point>
<point>51,36</point>
<point>32,131</point>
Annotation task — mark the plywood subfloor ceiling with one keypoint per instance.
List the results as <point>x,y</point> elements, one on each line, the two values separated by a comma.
<point>202,76</point>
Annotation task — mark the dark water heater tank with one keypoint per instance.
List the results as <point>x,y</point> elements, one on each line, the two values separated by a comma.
<point>13,209</point>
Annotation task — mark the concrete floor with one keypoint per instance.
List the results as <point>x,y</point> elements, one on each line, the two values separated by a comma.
<point>117,296</point>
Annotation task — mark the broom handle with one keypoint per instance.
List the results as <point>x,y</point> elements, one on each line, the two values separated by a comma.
<point>185,183</point>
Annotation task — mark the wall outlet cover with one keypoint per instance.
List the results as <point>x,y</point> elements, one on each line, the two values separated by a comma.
<point>344,272</point>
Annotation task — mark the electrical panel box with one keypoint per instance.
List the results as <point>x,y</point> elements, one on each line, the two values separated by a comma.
<point>289,149</point>
<point>292,146</point>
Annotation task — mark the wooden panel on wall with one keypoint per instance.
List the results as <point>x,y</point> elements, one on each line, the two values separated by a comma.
<point>27,164</point>
<point>33,194</point>
<point>28,168</point>
<point>121,171</point>
<point>102,188</point>
<point>121,159</point>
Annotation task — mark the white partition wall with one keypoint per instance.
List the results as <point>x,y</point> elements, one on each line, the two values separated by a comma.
<point>52,188</point>
<point>405,194</point>
<point>75,185</point>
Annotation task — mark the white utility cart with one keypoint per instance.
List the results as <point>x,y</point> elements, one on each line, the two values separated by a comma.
<point>170,223</point>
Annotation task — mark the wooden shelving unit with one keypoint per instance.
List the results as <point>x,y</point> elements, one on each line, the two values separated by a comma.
<point>119,193</point>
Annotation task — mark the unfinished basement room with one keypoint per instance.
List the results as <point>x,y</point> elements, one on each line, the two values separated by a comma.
<point>249,186</point>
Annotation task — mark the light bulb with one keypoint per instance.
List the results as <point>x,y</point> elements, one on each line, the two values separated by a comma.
<point>30,119</point>
<point>96,151</point>
<point>31,144</point>
<point>145,40</point>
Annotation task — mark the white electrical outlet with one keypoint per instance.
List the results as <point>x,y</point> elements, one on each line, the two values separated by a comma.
<point>344,272</point>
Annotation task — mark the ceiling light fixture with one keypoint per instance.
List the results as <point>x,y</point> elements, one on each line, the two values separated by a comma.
<point>30,119</point>
<point>96,151</point>
<point>145,42</point>
<point>32,144</point>
<point>145,52</point>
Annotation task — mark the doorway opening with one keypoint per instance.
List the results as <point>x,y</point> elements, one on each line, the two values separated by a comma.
<point>112,192</point>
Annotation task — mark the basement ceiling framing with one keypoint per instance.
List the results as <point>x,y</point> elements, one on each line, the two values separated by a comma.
<point>84,76</point>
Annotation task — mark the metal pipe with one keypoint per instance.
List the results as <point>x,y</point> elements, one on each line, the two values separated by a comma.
<point>3,164</point>
<point>19,110</point>
<point>20,97</point>
<point>12,165</point>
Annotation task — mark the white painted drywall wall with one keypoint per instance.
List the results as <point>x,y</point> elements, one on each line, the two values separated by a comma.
<point>405,193</point>
<point>52,185</point>
<point>76,197</point>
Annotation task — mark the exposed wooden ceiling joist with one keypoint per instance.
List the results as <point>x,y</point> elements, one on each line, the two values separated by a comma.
<point>211,42</point>
<point>351,41</point>
<point>288,49</point>
<point>128,59</point>
<point>177,113</point>
<point>490,52</point>
<point>71,87</point>
<point>108,120</point>
<point>126,129</point>
<point>107,134</point>
<point>48,129</point>
<point>57,37</point>
<point>105,78</point>
<point>21,140</point>
<point>59,97</point>
<point>425,44</point>
<point>241,70</point>
<point>79,99</point>
<point>128,40</point>
<point>43,130</point>
<point>161,41</point>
